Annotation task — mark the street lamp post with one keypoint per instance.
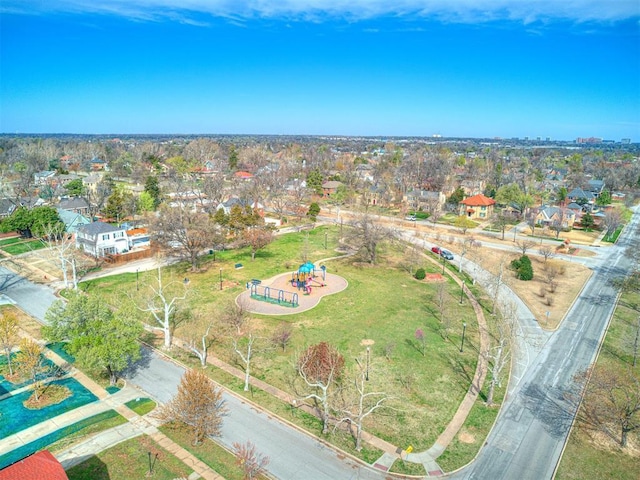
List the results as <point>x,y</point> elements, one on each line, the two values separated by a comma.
<point>325,240</point>
<point>443,260</point>
<point>461,291</point>
<point>464,327</point>
<point>221,279</point>
<point>137,283</point>
<point>367,372</point>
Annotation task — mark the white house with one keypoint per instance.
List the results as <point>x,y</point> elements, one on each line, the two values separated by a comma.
<point>100,239</point>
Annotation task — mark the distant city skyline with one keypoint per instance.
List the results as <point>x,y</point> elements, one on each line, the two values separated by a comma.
<point>483,69</point>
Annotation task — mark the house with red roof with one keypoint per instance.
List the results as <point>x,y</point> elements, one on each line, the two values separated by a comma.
<point>243,175</point>
<point>39,466</point>
<point>477,207</point>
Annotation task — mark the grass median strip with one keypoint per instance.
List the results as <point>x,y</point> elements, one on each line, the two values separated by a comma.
<point>64,437</point>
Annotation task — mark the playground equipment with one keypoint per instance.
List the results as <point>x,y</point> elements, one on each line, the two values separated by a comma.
<point>266,294</point>
<point>304,278</point>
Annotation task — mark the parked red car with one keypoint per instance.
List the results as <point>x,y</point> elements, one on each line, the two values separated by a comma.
<point>436,250</point>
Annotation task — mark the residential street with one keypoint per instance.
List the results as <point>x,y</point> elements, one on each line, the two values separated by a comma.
<point>33,298</point>
<point>534,422</point>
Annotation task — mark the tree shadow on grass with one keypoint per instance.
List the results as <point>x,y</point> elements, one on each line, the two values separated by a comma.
<point>90,466</point>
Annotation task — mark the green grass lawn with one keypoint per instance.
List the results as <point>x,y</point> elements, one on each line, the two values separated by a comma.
<point>141,406</point>
<point>23,247</point>
<point>217,457</point>
<point>383,304</point>
<point>593,456</point>
<point>129,460</point>
<point>10,241</point>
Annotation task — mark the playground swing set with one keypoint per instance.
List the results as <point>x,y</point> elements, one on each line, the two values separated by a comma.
<point>281,297</point>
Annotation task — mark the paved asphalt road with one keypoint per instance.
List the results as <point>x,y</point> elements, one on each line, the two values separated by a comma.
<point>534,423</point>
<point>292,454</point>
<point>32,298</point>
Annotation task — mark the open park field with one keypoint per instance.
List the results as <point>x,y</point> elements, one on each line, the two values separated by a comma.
<point>382,308</point>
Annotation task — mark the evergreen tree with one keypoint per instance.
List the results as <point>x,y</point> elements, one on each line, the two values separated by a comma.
<point>314,181</point>
<point>233,158</point>
<point>587,221</point>
<point>314,211</point>
<point>152,187</point>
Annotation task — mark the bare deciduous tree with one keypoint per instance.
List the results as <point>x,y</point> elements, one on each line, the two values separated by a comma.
<point>359,404</point>
<point>612,220</point>
<point>182,230</point>
<point>245,346</point>
<point>252,463</point>
<point>63,253</point>
<point>162,302</point>
<point>201,352</point>
<point>320,367</point>
<point>282,335</point>
<point>442,305</point>
<point>235,317</point>
<point>611,402</point>
<point>367,235</point>
<point>547,252</point>
<point>525,245</point>
<point>496,284</point>
<point>198,404</point>
<point>499,354</point>
<point>257,238</point>
<point>551,273</point>
<point>468,245</point>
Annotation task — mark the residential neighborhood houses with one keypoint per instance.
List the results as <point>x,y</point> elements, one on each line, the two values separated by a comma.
<point>94,195</point>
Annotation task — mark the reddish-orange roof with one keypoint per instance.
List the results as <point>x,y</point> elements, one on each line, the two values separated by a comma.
<point>243,175</point>
<point>39,466</point>
<point>478,201</point>
<point>136,231</point>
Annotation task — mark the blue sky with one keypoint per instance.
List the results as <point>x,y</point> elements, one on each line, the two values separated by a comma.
<point>458,68</point>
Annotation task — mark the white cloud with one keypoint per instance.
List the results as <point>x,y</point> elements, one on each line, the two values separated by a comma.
<point>458,11</point>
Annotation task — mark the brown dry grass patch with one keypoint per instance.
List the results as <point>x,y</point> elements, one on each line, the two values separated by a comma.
<point>27,324</point>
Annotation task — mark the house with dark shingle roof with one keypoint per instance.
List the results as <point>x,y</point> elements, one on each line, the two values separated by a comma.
<point>7,206</point>
<point>478,207</point>
<point>550,216</point>
<point>330,187</point>
<point>595,186</point>
<point>578,195</point>
<point>100,239</point>
<point>74,204</point>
